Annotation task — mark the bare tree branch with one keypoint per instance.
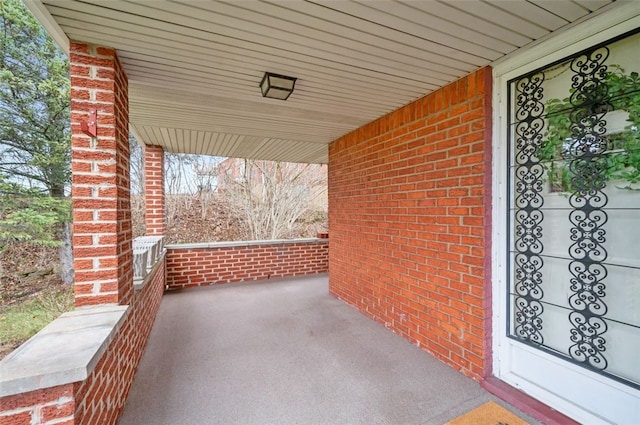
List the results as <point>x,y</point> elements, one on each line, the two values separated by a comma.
<point>270,196</point>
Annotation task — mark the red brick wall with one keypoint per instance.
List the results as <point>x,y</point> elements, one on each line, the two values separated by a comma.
<point>100,185</point>
<point>154,198</point>
<point>39,407</point>
<point>409,205</point>
<point>237,263</point>
<point>102,396</point>
<point>102,249</point>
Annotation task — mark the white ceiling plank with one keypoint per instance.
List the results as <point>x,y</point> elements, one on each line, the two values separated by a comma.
<point>153,135</point>
<point>141,109</point>
<point>175,136</point>
<point>157,133</point>
<point>373,91</point>
<point>322,103</point>
<point>496,16</point>
<point>175,98</point>
<point>367,85</point>
<point>326,107</point>
<point>417,16</point>
<point>593,5</point>
<point>259,149</point>
<point>211,143</point>
<point>381,18</point>
<point>305,131</point>
<point>171,139</point>
<point>365,32</point>
<point>162,136</point>
<point>565,9</point>
<point>188,75</point>
<point>533,13</point>
<point>309,76</point>
<point>457,17</point>
<point>180,48</point>
<point>200,137</point>
<point>263,141</point>
<point>309,128</point>
<point>194,67</point>
<point>206,143</point>
<point>179,135</point>
<point>184,138</point>
<point>141,135</point>
<point>248,31</point>
<point>230,142</point>
<point>196,138</point>
<point>148,135</point>
<point>236,128</point>
<point>164,70</point>
<point>257,125</point>
<point>330,36</point>
<point>341,78</point>
<point>298,103</point>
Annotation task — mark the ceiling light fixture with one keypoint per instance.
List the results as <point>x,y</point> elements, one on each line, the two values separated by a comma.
<point>277,86</point>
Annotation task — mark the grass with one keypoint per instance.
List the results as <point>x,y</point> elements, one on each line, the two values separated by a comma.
<point>22,320</point>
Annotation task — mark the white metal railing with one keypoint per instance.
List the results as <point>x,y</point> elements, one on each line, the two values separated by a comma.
<point>147,250</point>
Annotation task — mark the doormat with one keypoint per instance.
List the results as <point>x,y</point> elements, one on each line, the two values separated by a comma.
<point>488,414</point>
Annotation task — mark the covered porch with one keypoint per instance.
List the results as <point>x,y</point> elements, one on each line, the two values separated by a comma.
<point>402,101</point>
<point>283,352</point>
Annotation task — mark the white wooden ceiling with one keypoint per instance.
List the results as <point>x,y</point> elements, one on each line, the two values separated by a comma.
<point>194,67</point>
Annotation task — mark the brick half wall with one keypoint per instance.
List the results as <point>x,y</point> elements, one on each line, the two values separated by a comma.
<point>409,213</point>
<point>209,264</point>
<point>101,397</point>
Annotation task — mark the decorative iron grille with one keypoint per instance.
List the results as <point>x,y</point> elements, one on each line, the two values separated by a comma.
<point>528,217</point>
<point>577,164</point>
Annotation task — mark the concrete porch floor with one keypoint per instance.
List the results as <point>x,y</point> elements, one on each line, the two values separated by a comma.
<point>286,352</point>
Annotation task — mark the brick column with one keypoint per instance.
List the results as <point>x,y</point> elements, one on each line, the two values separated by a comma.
<point>100,184</point>
<point>155,220</point>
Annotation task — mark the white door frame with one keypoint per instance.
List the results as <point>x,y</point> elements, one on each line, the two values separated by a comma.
<point>519,371</point>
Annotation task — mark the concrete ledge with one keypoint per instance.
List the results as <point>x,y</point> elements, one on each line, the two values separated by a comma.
<point>244,243</point>
<point>65,351</point>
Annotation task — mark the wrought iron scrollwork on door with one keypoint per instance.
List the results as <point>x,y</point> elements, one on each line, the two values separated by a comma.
<point>528,181</point>
<point>584,152</point>
<point>574,161</point>
<point>587,164</point>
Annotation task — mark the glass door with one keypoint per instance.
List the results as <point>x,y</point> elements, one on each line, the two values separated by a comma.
<point>573,227</point>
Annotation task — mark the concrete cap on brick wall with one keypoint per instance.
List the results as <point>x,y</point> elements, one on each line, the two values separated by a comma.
<point>65,351</point>
<point>244,243</point>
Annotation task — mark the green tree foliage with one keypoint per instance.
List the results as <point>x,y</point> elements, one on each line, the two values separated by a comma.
<point>623,154</point>
<point>34,103</point>
<point>28,216</point>
<point>35,136</point>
